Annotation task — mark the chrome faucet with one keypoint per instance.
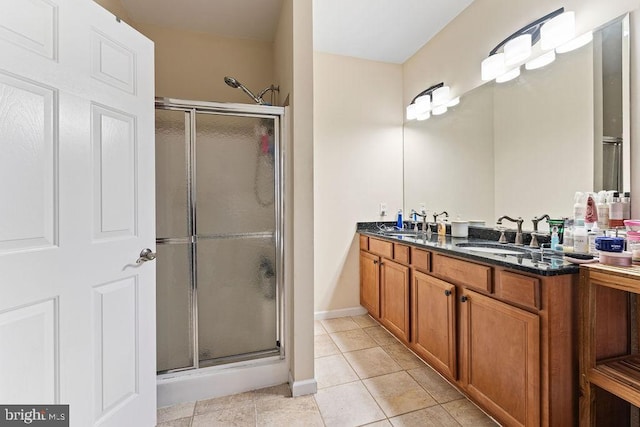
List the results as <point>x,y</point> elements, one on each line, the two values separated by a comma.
<point>423,215</point>
<point>535,233</point>
<point>435,215</point>
<point>519,222</point>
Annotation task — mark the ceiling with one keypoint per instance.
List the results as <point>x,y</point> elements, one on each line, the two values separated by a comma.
<point>379,30</point>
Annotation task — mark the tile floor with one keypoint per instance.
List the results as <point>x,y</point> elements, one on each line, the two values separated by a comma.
<point>365,377</point>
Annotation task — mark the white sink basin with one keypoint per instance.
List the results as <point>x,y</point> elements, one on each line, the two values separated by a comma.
<point>495,248</point>
<point>498,251</point>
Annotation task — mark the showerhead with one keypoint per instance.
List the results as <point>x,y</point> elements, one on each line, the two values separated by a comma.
<point>236,84</point>
<point>232,82</point>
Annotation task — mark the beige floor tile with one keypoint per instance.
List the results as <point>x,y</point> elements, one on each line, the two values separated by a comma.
<point>403,356</point>
<point>398,393</point>
<point>435,416</point>
<point>437,386</point>
<point>224,402</point>
<point>318,329</point>
<point>324,346</point>
<point>279,391</point>
<point>371,362</point>
<point>468,414</point>
<point>300,411</point>
<point>348,405</point>
<point>237,416</point>
<point>381,336</point>
<point>355,339</point>
<point>182,422</point>
<point>364,321</point>
<point>175,412</point>
<point>383,423</point>
<point>333,370</point>
<point>339,324</point>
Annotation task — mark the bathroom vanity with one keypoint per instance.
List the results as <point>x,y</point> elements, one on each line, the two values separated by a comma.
<point>501,326</point>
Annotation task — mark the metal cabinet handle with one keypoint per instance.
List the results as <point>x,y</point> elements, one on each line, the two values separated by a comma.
<point>447,292</point>
<point>375,261</point>
<point>146,255</point>
<point>464,298</point>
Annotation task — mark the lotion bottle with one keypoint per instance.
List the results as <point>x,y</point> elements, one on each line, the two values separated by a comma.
<point>615,212</point>
<point>555,239</point>
<point>603,210</point>
<point>400,222</point>
<point>579,208</point>
<point>580,240</point>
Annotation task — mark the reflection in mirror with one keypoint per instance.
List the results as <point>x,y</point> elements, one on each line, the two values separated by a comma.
<point>524,147</point>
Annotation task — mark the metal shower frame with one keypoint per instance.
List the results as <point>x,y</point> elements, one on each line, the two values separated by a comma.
<point>242,110</point>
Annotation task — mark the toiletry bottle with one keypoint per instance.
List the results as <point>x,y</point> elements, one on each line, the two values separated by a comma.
<point>626,205</point>
<point>615,212</point>
<point>400,223</point>
<point>591,238</point>
<point>603,210</point>
<point>442,228</point>
<point>591,213</point>
<point>555,239</point>
<point>580,242</point>
<point>567,238</point>
<point>579,208</point>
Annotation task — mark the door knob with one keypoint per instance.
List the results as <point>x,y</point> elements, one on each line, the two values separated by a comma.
<point>146,255</point>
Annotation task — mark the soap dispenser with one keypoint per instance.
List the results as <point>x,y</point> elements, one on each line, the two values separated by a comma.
<point>400,222</point>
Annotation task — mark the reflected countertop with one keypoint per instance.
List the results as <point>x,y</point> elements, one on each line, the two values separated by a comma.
<point>530,260</point>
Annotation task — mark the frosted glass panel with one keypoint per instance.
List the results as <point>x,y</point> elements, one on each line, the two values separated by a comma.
<point>236,296</point>
<point>174,305</point>
<point>172,208</point>
<point>235,179</point>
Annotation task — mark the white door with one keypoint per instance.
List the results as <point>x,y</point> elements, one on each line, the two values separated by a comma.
<point>77,314</point>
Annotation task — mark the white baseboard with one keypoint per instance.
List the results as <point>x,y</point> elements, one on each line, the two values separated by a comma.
<point>301,388</point>
<point>343,312</point>
<point>207,383</point>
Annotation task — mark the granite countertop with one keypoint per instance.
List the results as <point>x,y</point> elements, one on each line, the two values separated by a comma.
<point>531,260</point>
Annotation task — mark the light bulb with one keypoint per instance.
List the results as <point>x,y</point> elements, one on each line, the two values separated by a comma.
<point>493,66</point>
<point>411,112</point>
<point>541,61</point>
<point>558,30</point>
<point>517,50</point>
<point>575,43</point>
<point>509,75</point>
<point>440,109</point>
<point>440,96</point>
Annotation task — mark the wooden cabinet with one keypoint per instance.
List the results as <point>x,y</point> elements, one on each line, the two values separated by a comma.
<point>500,358</point>
<point>609,356</point>
<point>434,322</point>
<point>394,298</point>
<point>370,283</point>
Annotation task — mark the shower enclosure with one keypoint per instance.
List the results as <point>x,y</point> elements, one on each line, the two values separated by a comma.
<point>219,228</point>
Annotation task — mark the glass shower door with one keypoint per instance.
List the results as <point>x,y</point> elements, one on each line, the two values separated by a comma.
<point>174,283</point>
<point>235,237</point>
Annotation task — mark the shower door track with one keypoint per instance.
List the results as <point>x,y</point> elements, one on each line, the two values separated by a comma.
<point>245,110</point>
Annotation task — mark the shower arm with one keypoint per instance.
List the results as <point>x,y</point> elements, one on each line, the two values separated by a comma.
<point>265,90</point>
<point>258,99</point>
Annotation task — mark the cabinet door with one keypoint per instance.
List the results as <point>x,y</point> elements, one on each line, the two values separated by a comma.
<point>394,295</point>
<point>434,322</point>
<point>500,354</point>
<point>370,283</point>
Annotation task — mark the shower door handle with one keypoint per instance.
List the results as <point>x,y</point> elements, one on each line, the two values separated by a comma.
<point>146,255</point>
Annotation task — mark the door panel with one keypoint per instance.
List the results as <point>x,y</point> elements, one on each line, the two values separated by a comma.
<point>236,296</point>
<point>235,187</point>
<point>175,307</point>
<point>31,331</point>
<point>76,154</point>
<point>394,298</point>
<point>172,183</point>
<point>27,111</point>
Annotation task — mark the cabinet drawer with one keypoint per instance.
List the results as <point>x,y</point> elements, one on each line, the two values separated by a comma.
<point>401,253</point>
<point>364,242</point>
<point>381,247</point>
<point>421,259</point>
<point>462,272</point>
<point>518,289</point>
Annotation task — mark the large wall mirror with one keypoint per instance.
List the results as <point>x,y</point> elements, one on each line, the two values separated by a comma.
<point>524,147</point>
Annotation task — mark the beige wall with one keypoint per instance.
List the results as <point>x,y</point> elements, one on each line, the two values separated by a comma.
<point>294,72</point>
<point>357,165</point>
<point>115,7</point>
<point>193,65</point>
<point>454,54</point>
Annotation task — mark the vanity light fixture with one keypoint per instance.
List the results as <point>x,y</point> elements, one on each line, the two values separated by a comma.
<point>555,31</point>
<point>433,100</point>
